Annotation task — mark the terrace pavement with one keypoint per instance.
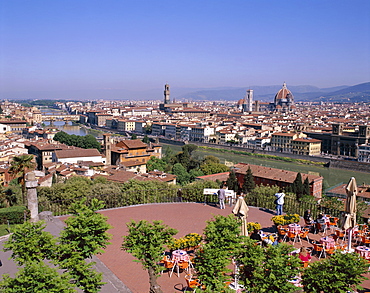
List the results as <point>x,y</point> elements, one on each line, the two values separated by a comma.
<point>120,271</point>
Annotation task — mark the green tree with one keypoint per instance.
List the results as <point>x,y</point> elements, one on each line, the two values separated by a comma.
<point>232,182</point>
<point>267,270</point>
<point>190,148</point>
<point>146,242</point>
<point>30,243</point>
<point>84,236</point>
<point>19,166</point>
<point>87,230</point>
<point>297,186</point>
<point>222,238</point>
<point>133,136</point>
<point>210,159</point>
<point>155,163</point>
<point>195,173</point>
<point>341,273</point>
<point>37,277</point>
<point>248,182</point>
<point>214,168</point>
<point>183,176</point>
<point>145,139</point>
<point>306,187</point>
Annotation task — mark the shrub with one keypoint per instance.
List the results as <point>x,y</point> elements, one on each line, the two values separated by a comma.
<point>251,226</point>
<point>15,215</point>
<point>285,219</point>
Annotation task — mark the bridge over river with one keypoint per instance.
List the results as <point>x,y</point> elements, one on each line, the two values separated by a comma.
<point>60,117</point>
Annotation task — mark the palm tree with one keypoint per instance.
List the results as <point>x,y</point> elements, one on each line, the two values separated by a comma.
<point>19,166</point>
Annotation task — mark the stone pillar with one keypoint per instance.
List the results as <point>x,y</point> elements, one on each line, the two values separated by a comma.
<point>31,185</point>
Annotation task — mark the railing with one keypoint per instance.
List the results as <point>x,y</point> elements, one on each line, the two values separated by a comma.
<point>173,195</point>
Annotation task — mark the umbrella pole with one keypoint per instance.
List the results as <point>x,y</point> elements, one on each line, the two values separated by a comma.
<point>349,239</point>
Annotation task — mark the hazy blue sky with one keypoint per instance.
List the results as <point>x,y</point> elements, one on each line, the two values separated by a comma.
<point>139,45</point>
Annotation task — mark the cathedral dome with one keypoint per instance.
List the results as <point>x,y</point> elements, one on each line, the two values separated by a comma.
<point>284,97</point>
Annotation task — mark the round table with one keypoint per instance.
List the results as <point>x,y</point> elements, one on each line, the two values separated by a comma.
<point>363,251</point>
<point>180,255</point>
<point>295,228</point>
<point>328,242</point>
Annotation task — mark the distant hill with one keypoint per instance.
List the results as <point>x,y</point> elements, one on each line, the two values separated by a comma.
<point>263,93</point>
<point>356,93</point>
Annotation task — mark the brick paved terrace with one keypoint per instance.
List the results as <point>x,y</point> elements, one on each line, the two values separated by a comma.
<point>185,217</point>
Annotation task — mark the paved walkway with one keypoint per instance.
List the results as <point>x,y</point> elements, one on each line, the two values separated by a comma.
<point>118,266</point>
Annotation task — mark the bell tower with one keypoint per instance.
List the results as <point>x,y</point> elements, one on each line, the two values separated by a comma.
<point>167,94</point>
<point>107,149</point>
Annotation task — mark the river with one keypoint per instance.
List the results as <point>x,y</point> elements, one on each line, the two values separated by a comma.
<point>74,129</point>
<point>331,176</point>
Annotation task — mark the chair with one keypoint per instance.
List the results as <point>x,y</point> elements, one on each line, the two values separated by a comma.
<point>340,234</point>
<point>168,264</point>
<point>305,264</point>
<point>183,265</point>
<point>321,227</point>
<point>333,222</point>
<point>293,235</point>
<point>191,283</point>
<point>318,248</point>
<point>329,251</point>
<point>304,234</point>
<point>365,240</point>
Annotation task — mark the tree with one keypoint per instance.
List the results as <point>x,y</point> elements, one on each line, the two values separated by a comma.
<point>222,241</point>
<point>86,232</point>
<point>248,182</point>
<point>232,182</point>
<point>183,176</point>
<point>19,166</point>
<point>306,187</point>
<point>84,236</point>
<point>341,273</point>
<point>145,139</point>
<point>133,136</point>
<point>30,243</point>
<point>146,242</point>
<point>37,277</point>
<point>267,270</point>
<point>214,168</point>
<point>155,163</point>
<point>190,148</point>
<point>210,159</point>
<point>297,186</point>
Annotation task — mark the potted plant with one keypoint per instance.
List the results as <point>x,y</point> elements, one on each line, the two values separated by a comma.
<point>251,226</point>
<point>287,219</point>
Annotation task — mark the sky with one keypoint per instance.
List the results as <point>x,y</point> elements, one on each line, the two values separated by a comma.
<point>86,45</point>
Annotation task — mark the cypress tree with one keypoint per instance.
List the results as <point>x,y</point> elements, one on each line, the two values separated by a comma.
<point>232,182</point>
<point>306,186</point>
<point>248,184</point>
<point>297,186</point>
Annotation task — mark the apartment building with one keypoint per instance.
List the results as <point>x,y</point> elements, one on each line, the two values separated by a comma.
<point>306,146</point>
<point>283,141</point>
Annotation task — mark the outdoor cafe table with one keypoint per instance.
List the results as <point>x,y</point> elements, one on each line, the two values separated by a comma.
<point>363,251</point>
<point>328,242</point>
<point>295,228</point>
<point>180,255</point>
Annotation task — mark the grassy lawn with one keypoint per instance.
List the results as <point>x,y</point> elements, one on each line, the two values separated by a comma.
<point>4,229</point>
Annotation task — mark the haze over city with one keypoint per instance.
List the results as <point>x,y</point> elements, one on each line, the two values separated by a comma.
<point>71,49</point>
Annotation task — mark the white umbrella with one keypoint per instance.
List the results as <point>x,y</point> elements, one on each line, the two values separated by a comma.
<point>350,209</point>
<point>241,211</point>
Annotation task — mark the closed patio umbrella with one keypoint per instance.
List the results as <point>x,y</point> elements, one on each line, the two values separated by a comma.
<point>241,211</point>
<point>350,209</point>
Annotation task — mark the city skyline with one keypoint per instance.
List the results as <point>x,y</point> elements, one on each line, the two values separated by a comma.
<point>86,46</point>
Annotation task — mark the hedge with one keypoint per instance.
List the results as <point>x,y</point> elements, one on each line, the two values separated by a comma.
<point>15,215</point>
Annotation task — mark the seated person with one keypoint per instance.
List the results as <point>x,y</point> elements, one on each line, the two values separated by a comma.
<point>255,235</point>
<point>307,216</point>
<point>304,255</point>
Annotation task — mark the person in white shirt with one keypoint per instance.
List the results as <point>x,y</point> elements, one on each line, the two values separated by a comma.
<point>279,201</point>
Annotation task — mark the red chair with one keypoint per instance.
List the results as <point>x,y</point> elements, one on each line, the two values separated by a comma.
<point>318,249</point>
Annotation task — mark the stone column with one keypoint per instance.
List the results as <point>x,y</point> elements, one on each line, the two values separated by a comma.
<point>31,184</point>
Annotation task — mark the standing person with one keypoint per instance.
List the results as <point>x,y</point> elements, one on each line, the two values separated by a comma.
<point>222,196</point>
<point>279,201</point>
